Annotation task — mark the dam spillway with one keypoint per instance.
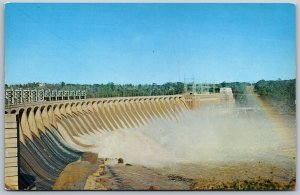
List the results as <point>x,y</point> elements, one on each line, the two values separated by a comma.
<point>40,137</point>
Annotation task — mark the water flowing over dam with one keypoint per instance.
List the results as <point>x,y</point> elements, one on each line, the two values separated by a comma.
<point>42,138</point>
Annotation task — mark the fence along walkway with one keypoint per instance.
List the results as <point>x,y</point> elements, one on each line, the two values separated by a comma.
<point>21,96</point>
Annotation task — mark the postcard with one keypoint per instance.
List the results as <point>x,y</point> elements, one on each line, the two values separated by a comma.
<point>150,96</point>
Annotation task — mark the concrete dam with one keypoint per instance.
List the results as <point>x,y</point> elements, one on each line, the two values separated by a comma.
<point>41,137</point>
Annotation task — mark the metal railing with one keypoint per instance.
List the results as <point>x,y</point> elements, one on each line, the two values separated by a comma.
<point>21,96</point>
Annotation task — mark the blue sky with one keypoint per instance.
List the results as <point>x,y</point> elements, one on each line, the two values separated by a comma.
<point>149,43</point>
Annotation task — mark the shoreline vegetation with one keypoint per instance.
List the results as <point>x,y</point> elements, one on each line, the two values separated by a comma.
<point>254,184</point>
<point>281,94</point>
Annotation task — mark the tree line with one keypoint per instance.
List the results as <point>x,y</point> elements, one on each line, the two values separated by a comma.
<point>276,90</point>
<point>110,89</point>
<point>280,93</point>
<point>121,90</point>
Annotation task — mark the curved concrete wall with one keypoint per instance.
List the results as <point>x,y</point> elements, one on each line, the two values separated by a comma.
<point>47,131</point>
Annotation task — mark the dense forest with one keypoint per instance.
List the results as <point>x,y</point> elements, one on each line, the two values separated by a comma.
<point>280,93</point>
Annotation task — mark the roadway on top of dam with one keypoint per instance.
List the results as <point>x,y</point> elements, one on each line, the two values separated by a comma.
<point>90,99</point>
<point>104,99</point>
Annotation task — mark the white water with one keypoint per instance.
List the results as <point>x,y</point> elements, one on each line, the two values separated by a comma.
<point>208,135</point>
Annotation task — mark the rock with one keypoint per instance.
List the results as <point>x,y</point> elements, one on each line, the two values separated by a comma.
<point>120,161</point>
<point>90,157</point>
<point>90,183</point>
<point>99,172</point>
<point>153,188</point>
<point>74,176</point>
<point>94,183</point>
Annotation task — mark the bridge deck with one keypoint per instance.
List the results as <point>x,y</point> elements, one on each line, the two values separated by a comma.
<point>87,100</point>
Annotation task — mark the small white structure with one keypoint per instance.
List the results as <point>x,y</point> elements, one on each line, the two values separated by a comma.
<point>225,90</point>
<point>42,84</point>
<point>226,93</point>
